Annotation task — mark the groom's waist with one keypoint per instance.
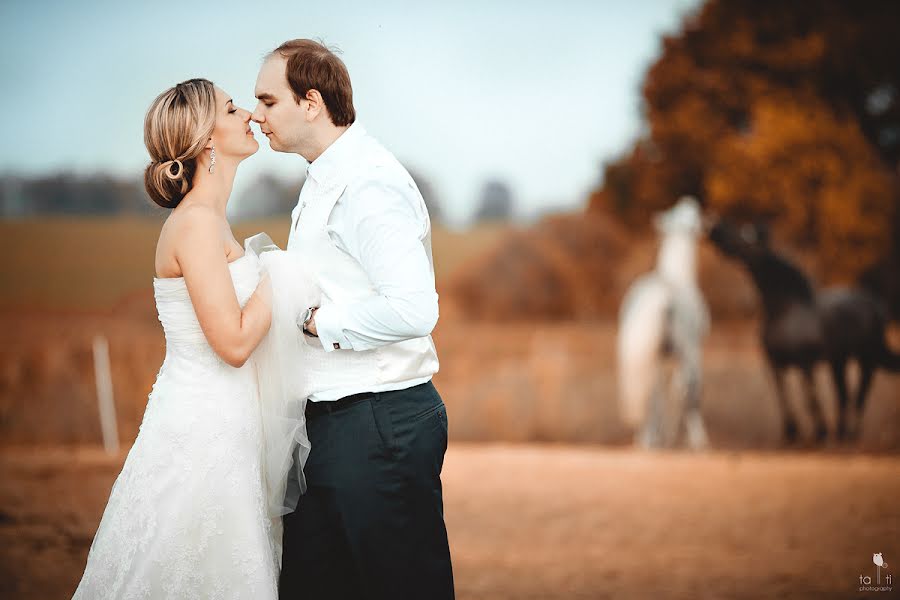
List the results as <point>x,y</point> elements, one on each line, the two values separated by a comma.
<point>325,407</point>
<point>332,393</point>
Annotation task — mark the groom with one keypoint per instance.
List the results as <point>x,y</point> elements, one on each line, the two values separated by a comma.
<point>371,523</point>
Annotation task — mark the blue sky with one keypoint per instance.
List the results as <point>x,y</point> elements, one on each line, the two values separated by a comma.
<point>534,94</point>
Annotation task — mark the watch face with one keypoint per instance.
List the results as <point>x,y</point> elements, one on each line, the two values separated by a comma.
<point>303,319</point>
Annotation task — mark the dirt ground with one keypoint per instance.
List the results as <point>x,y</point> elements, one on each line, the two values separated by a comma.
<point>546,521</point>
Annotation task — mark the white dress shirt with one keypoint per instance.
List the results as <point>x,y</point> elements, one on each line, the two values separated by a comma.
<point>381,222</point>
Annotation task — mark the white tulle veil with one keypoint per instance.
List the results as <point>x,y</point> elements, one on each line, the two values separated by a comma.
<point>278,363</point>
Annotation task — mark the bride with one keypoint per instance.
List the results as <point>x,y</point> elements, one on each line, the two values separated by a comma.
<point>195,512</point>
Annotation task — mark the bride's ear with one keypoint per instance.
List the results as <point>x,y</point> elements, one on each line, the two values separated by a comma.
<point>209,144</point>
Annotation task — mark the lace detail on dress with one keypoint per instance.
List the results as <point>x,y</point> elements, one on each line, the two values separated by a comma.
<point>201,356</point>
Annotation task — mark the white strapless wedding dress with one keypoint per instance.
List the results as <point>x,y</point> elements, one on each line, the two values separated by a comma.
<point>188,517</point>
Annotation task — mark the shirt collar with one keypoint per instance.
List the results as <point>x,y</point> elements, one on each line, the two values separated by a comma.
<point>335,155</point>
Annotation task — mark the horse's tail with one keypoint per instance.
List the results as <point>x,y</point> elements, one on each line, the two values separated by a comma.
<point>642,330</point>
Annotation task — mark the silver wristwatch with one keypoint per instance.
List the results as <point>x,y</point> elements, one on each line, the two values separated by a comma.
<point>305,319</point>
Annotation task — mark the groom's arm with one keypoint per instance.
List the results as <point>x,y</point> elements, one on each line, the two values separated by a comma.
<point>382,227</point>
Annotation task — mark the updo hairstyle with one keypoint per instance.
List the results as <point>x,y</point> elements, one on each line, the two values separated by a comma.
<point>177,127</point>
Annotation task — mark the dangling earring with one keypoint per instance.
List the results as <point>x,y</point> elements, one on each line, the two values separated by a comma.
<point>212,159</point>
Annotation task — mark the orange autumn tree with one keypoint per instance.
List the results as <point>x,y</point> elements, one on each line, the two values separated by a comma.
<point>786,111</point>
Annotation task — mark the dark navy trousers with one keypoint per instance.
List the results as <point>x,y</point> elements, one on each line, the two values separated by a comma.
<point>371,524</point>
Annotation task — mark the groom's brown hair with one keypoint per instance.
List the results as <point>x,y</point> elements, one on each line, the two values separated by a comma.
<point>313,66</point>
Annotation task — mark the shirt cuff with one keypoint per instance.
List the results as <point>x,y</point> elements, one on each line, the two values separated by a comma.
<point>329,329</point>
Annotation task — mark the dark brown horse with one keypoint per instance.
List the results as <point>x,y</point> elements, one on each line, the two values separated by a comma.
<point>802,327</point>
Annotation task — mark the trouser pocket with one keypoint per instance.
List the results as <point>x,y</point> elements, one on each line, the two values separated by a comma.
<point>382,424</point>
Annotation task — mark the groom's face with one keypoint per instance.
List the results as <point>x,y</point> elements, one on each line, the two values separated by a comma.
<point>281,118</point>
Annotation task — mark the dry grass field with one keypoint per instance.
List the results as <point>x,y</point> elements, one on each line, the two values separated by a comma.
<point>91,264</point>
<point>510,382</point>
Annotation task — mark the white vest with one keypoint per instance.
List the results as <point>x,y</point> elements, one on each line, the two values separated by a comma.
<point>342,280</point>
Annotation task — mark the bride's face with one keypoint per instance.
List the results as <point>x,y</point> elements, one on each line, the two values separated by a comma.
<point>232,135</point>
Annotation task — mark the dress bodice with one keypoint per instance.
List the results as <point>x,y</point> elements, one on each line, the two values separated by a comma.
<point>184,337</point>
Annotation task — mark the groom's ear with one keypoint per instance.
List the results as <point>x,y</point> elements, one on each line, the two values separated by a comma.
<point>315,104</point>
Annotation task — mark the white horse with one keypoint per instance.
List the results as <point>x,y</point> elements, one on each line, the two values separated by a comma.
<point>663,316</point>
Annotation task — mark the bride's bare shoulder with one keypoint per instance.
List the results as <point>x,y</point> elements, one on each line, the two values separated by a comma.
<point>184,226</point>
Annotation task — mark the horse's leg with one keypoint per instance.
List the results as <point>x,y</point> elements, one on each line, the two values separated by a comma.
<point>673,405</point>
<point>650,433</point>
<point>693,421</point>
<point>788,421</point>
<point>839,376</point>
<point>815,408</point>
<point>667,398</point>
<point>866,370</point>
<point>692,416</point>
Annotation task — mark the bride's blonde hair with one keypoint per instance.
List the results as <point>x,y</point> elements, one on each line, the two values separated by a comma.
<point>177,127</point>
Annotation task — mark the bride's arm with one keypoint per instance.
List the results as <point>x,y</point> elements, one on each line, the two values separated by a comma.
<point>233,333</point>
